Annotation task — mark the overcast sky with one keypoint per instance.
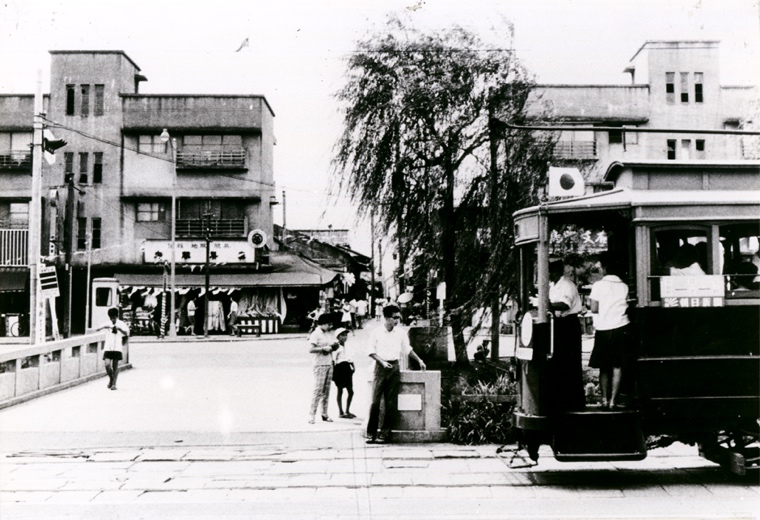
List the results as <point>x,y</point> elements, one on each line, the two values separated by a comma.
<point>297,48</point>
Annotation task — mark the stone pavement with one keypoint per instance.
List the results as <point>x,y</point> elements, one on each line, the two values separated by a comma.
<point>335,475</point>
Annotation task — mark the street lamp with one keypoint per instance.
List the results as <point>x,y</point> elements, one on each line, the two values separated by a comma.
<point>166,138</point>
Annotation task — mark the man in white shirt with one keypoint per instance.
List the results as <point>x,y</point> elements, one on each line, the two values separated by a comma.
<point>567,363</point>
<point>387,344</point>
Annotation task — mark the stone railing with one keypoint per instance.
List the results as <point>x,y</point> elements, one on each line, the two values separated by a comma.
<point>27,372</point>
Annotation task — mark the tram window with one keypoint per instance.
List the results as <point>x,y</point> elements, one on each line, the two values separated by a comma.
<point>103,297</point>
<point>677,250</point>
<point>740,258</point>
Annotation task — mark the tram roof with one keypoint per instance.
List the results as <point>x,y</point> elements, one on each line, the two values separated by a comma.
<point>625,198</point>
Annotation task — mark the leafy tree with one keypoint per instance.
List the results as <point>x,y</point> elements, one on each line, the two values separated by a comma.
<point>417,107</point>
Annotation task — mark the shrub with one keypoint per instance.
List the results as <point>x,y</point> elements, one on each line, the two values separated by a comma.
<point>480,422</point>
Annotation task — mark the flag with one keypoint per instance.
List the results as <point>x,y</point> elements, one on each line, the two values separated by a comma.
<point>50,144</point>
<point>242,45</point>
<point>566,182</point>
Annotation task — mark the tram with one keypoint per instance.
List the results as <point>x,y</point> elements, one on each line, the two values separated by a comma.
<point>694,375</point>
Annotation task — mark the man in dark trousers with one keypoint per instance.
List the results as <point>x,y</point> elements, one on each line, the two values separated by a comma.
<point>387,344</point>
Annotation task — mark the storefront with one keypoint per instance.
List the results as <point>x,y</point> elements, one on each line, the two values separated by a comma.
<point>280,294</point>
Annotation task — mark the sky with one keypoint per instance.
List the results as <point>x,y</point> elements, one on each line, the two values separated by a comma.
<point>296,57</point>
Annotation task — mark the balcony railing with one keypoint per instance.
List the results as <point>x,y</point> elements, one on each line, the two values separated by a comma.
<point>575,150</point>
<point>750,148</point>
<point>13,247</point>
<point>15,160</point>
<point>223,227</point>
<point>228,159</point>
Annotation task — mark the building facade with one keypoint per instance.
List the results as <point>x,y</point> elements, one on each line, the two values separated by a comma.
<point>141,173</point>
<point>675,85</point>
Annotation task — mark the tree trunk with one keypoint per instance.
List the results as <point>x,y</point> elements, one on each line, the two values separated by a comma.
<point>448,235</point>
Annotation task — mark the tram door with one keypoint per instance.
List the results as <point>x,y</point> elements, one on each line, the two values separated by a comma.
<point>104,296</point>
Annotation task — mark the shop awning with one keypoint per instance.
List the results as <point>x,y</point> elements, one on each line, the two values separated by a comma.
<point>287,270</point>
<point>14,280</point>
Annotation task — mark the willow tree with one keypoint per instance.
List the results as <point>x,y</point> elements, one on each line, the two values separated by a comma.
<point>416,108</point>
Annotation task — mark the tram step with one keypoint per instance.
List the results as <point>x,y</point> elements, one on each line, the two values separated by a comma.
<point>599,435</point>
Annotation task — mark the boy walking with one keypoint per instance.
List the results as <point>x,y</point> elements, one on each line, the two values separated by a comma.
<point>112,350</point>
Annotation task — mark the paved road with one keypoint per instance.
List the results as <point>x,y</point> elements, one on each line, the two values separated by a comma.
<point>208,430</point>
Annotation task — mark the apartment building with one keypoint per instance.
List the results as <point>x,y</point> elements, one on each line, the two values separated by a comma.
<point>108,199</point>
<point>674,85</point>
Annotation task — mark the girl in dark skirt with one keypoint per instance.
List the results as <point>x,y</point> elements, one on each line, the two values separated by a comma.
<point>343,374</point>
<point>611,342</point>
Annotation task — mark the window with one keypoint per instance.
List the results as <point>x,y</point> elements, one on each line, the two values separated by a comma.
<point>68,166</point>
<point>70,94</point>
<point>19,215</point>
<point>685,149</point>
<point>620,137</point>
<point>83,160</point>
<point>670,87</point>
<point>684,87</point>
<point>698,79</point>
<point>85,111</point>
<point>96,230</point>
<point>739,246</point>
<point>151,211</point>
<point>212,142</point>
<point>97,168</point>
<point>82,233</point>
<point>103,296</point>
<point>151,144</point>
<point>700,145</point>
<point>671,149</point>
<point>99,100</point>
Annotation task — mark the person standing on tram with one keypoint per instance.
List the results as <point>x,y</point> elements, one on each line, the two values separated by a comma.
<point>565,304</point>
<point>608,302</point>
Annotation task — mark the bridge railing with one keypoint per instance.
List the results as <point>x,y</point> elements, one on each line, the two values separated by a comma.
<point>32,371</point>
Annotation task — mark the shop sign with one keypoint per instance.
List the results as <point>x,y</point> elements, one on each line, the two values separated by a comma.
<point>194,252</point>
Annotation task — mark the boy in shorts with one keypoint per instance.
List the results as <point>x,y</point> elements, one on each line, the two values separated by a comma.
<point>343,373</point>
<point>117,330</point>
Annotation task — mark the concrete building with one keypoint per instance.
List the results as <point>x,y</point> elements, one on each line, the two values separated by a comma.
<point>674,85</point>
<point>129,159</point>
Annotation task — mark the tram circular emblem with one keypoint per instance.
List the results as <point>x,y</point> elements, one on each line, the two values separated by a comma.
<point>257,238</point>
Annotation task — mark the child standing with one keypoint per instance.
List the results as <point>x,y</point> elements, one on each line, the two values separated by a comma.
<point>112,350</point>
<point>343,373</point>
<point>322,345</point>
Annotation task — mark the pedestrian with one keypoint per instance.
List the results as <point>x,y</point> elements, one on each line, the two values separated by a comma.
<point>232,317</point>
<point>322,345</point>
<point>343,374</point>
<point>361,312</point>
<point>345,317</point>
<point>312,317</point>
<point>567,363</point>
<point>190,329</point>
<point>118,332</point>
<point>608,302</point>
<point>387,344</point>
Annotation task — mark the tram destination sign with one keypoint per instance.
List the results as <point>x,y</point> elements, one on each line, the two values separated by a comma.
<point>692,291</point>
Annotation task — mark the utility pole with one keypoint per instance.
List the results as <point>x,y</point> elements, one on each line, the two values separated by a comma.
<point>372,263</point>
<point>36,325</point>
<point>493,203</point>
<point>284,220</point>
<point>68,240</point>
<point>89,271</point>
<point>207,217</point>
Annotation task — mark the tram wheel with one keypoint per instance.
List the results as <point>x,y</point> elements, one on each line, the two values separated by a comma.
<point>737,451</point>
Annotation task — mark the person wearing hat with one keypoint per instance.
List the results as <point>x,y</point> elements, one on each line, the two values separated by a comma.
<point>322,345</point>
<point>343,373</point>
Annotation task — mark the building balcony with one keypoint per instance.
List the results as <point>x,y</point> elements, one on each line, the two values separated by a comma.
<point>575,150</point>
<point>20,161</point>
<point>224,227</point>
<point>211,160</point>
<point>14,244</point>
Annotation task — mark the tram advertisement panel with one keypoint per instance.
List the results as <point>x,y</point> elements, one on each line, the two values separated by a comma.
<point>692,291</point>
